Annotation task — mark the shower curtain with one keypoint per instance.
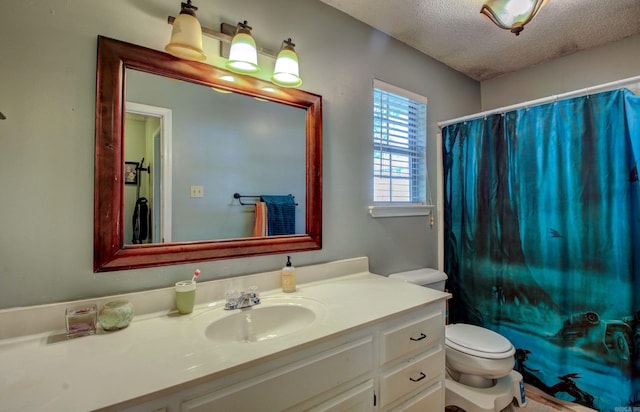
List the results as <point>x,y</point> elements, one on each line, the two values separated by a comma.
<point>541,231</point>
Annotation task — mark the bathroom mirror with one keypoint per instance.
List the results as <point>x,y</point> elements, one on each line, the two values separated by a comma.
<point>224,143</point>
<point>111,252</point>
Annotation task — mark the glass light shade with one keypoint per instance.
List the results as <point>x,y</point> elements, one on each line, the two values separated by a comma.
<point>512,14</point>
<point>243,57</point>
<point>286,72</point>
<point>186,38</point>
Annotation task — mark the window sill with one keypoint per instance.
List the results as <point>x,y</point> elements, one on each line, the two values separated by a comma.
<point>400,211</point>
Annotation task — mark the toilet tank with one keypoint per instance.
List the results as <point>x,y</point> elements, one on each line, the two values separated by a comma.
<point>427,277</point>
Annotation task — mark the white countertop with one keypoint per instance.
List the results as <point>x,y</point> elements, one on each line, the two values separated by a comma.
<point>159,351</point>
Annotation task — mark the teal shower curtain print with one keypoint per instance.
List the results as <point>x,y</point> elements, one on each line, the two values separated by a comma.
<point>542,227</point>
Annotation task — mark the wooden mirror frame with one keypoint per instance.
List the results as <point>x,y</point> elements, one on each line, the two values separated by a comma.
<point>110,252</point>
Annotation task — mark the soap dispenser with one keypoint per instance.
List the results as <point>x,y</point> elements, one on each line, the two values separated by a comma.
<point>288,277</point>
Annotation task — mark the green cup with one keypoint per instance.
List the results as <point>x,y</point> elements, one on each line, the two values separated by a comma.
<point>185,296</point>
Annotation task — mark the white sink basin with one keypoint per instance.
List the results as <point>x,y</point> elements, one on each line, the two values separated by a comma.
<point>271,319</point>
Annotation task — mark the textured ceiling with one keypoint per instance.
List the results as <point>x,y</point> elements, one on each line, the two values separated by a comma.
<point>455,33</point>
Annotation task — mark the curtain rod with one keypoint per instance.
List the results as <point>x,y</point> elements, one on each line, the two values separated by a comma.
<point>575,93</point>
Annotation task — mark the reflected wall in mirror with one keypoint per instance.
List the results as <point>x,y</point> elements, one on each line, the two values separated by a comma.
<point>225,143</point>
<point>268,140</point>
<point>147,197</point>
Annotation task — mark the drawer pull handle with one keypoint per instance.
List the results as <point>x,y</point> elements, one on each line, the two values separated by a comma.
<point>422,336</point>
<point>422,376</point>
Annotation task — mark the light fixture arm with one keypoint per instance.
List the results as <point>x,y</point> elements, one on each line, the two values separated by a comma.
<point>188,8</point>
<point>243,25</point>
<point>226,36</point>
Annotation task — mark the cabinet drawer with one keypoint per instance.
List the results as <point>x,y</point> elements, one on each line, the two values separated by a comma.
<point>431,399</point>
<point>358,399</point>
<point>291,384</point>
<point>416,373</point>
<point>412,336</point>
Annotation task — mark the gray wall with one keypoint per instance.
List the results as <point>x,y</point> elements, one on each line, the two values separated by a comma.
<point>605,64</point>
<point>47,84</point>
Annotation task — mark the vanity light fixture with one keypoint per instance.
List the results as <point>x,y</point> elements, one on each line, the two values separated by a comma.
<point>512,14</point>
<point>243,56</point>
<point>285,72</point>
<point>186,36</point>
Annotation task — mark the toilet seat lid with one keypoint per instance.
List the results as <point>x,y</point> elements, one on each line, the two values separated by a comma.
<point>478,341</point>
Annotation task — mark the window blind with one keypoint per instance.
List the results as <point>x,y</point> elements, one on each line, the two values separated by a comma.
<point>399,141</point>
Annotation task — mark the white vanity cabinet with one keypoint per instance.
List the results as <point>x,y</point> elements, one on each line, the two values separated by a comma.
<point>392,364</point>
<point>411,372</point>
<point>346,340</point>
<point>290,385</point>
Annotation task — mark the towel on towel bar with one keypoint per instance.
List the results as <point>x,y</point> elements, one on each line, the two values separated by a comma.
<point>260,226</point>
<point>281,214</point>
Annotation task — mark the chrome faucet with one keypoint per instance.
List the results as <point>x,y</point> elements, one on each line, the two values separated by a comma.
<point>244,300</point>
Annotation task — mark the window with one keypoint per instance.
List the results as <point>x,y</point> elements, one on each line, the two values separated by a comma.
<point>399,146</point>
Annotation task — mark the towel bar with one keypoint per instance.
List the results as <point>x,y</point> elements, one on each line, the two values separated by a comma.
<point>239,197</point>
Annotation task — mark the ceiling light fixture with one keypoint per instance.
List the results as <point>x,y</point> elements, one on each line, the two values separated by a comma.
<point>512,14</point>
<point>186,36</point>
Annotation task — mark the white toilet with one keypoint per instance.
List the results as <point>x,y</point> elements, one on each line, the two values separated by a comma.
<point>479,362</point>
